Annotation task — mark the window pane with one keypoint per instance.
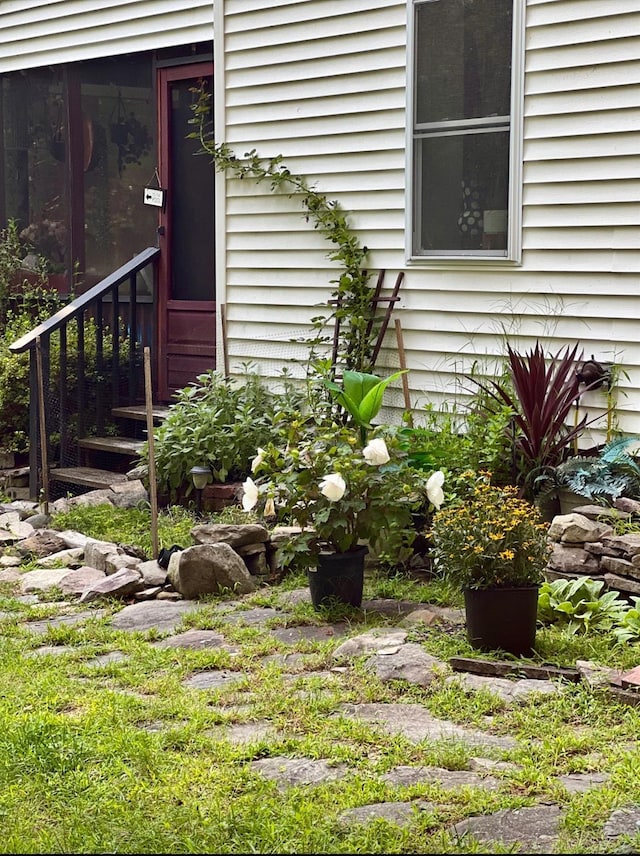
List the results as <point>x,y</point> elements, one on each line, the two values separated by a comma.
<point>463,59</point>
<point>34,145</point>
<point>464,181</point>
<point>119,131</point>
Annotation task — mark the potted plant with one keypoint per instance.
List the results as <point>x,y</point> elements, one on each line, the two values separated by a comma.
<point>494,546</point>
<point>347,486</point>
<point>345,496</point>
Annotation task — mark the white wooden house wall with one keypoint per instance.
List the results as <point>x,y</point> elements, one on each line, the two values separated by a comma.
<point>324,84</point>
<point>35,33</point>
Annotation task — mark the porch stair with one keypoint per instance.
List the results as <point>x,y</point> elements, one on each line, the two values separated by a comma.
<point>106,460</point>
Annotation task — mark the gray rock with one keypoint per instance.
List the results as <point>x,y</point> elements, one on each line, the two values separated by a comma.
<point>196,640</point>
<point>576,529</point>
<point>212,680</point>
<point>614,581</point>
<point>161,615</point>
<point>117,561</point>
<point>391,607</point>
<point>13,523</point>
<point>292,635</point>
<point>398,813</point>
<point>406,776</point>
<point>124,582</point>
<point>529,830</point>
<point>128,494</point>
<point>43,579</point>
<point>73,539</point>
<point>623,503</point>
<point>619,566</point>
<point>41,543</point>
<point>107,659</point>
<point>406,662</point>
<point>147,593</point>
<point>414,722</point>
<point>509,691</point>
<point>51,651</point>
<point>152,573</point>
<point>243,733</point>
<point>96,553</point>
<point>435,615</point>
<point>75,582</point>
<point>10,575</point>
<point>10,561</point>
<point>373,640</point>
<point>291,772</point>
<point>257,616</point>
<point>68,558</point>
<point>623,821</point>
<point>629,543</point>
<point>91,499</point>
<point>39,521</point>
<point>44,624</point>
<point>579,783</point>
<point>235,535</point>
<point>570,559</point>
<point>596,675</point>
<point>209,569</point>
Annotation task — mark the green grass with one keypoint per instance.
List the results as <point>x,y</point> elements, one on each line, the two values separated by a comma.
<point>83,771</point>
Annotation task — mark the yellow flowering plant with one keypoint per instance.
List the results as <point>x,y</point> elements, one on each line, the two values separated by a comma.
<point>494,539</point>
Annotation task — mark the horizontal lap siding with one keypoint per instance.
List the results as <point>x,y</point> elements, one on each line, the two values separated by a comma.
<point>323,84</point>
<point>34,33</point>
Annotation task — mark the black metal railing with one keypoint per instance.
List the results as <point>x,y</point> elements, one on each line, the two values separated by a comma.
<point>124,326</point>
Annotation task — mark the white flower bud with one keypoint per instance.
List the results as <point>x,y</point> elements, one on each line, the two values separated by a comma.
<point>333,487</point>
<point>376,452</point>
<point>250,495</point>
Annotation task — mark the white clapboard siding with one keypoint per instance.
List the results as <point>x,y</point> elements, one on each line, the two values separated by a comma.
<point>34,33</point>
<point>323,84</point>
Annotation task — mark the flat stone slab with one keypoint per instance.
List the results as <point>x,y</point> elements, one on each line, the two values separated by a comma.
<point>194,640</point>
<point>243,733</point>
<point>527,830</point>
<point>259,615</point>
<point>623,821</point>
<point>63,620</point>
<point>291,635</point>
<point>408,662</point>
<point>379,638</point>
<point>107,659</point>
<point>290,772</point>
<point>161,615</point>
<point>294,597</point>
<point>212,680</point>
<point>51,650</point>
<point>398,813</point>
<point>509,691</point>
<point>406,776</point>
<point>291,660</point>
<point>414,722</point>
<point>579,783</point>
<point>391,607</point>
<point>42,579</point>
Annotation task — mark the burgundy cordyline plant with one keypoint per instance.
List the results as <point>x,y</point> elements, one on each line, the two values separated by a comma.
<point>545,390</point>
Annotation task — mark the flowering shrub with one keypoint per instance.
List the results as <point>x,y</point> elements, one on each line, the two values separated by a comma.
<point>494,539</point>
<point>339,491</point>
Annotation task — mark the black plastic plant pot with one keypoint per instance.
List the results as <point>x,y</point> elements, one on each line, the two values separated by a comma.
<point>338,577</point>
<point>502,618</point>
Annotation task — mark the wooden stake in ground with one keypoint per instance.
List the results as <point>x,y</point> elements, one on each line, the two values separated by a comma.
<point>153,488</point>
<point>43,429</point>
<point>405,378</point>
<point>223,325</point>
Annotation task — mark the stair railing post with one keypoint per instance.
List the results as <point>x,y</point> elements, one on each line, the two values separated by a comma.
<point>34,432</point>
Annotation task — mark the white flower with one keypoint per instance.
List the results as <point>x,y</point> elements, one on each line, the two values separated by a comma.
<point>250,495</point>
<point>376,452</point>
<point>255,463</point>
<point>333,487</point>
<point>269,508</point>
<point>435,493</point>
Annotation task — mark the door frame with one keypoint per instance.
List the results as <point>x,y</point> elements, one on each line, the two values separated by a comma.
<point>165,75</point>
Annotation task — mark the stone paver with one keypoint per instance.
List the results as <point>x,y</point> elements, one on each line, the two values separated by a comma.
<point>578,783</point>
<point>508,690</point>
<point>259,615</point>
<point>194,640</point>
<point>163,615</point>
<point>243,733</point>
<point>290,772</point>
<point>398,813</point>
<point>291,635</point>
<point>107,659</point>
<point>405,776</point>
<point>416,723</point>
<point>44,624</point>
<point>623,821</point>
<point>526,830</point>
<point>212,680</point>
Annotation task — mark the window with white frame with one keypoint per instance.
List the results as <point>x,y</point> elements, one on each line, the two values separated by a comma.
<point>463,128</point>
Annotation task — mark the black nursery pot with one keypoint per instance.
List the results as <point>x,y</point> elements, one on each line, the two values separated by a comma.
<point>338,577</point>
<point>502,618</point>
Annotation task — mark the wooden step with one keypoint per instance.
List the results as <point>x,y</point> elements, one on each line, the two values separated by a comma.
<point>139,412</point>
<point>119,445</point>
<point>87,476</point>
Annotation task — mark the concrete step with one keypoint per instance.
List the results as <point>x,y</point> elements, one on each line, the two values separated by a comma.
<point>87,476</point>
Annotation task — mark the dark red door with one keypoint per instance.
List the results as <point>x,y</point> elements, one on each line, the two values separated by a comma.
<point>186,274</point>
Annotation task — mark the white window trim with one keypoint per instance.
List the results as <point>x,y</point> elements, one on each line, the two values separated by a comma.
<point>514,234</point>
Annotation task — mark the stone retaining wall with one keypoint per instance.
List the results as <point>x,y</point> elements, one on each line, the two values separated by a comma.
<point>585,543</point>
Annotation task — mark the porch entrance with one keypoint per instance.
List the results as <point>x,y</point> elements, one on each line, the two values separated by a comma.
<point>186,343</point>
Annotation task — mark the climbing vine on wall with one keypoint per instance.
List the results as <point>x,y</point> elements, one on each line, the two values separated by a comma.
<point>352,298</point>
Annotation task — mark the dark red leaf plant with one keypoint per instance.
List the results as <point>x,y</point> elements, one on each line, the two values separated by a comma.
<point>541,393</point>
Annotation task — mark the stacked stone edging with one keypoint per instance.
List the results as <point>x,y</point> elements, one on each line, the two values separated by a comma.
<point>584,543</point>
